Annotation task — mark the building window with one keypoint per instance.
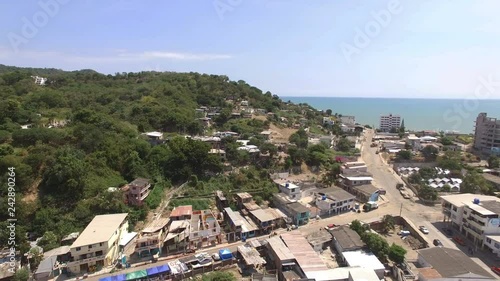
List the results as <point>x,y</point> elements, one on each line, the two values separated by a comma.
<point>488,240</point>
<point>497,245</point>
<point>100,244</point>
<point>90,246</point>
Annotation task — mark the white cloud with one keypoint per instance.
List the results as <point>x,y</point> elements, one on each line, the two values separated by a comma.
<point>114,57</point>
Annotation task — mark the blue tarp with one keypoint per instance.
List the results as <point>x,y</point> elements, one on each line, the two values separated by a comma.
<point>152,271</point>
<point>121,277</point>
<point>163,268</point>
<point>105,279</point>
<point>158,269</point>
<point>225,254</point>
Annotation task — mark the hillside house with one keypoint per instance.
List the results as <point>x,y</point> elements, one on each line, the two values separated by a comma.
<point>137,191</point>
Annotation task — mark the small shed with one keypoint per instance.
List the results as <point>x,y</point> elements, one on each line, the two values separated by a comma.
<point>225,254</point>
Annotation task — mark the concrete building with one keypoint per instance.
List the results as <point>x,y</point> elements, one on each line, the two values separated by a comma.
<point>181,213</point>
<point>328,121</point>
<point>264,219</point>
<point>487,134</point>
<point>204,229</point>
<point>388,122</point>
<point>219,153</point>
<point>298,213</point>
<point>243,198</point>
<point>307,259</point>
<point>365,260</point>
<point>414,142</point>
<point>319,240</point>
<point>289,189</point>
<point>439,263</point>
<point>97,245</point>
<point>137,191</point>
<point>150,240</point>
<point>348,120</point>
<point>475,216</point>
<point>345,239</point>
<point>220,200</point>
<point>39,80</point>
<point>333,201</point>
<point>266,135</point>
<point>154,138</point>
<point>283,259</point>
<point>239,226</point>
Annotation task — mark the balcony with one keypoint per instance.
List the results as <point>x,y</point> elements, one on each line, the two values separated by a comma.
<point>87,260</point>
<point>147,247</point>
<point>475,221</point>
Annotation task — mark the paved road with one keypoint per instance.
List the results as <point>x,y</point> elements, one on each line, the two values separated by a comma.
<point>384,177</point>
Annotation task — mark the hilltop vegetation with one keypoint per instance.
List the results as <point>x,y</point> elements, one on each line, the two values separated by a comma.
<point>63,173</point>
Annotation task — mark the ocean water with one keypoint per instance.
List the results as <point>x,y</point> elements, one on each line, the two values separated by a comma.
<point>418,114</point>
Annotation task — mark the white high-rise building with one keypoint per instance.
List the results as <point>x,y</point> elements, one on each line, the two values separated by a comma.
<point>387,122</point>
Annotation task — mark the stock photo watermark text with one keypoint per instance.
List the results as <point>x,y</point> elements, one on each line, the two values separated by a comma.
<point>32,25</point>
<point>11,221</point>
<point>372,29</point>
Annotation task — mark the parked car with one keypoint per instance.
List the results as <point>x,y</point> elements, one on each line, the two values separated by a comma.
<point>215,257</point>
<point>437,242</point>
<point>404,233</point>
<point>496,269</point>
<point>423,229</point>
<point>459,240</point>
<point>330,226</point>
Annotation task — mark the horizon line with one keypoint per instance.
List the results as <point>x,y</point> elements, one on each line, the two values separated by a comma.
<point>409,98</point>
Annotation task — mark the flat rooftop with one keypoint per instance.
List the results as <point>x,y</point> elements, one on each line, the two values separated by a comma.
<point>277,245</point>
<point>186,210</point>
<point>363,259</point>
<point>359,178</point>
<point>244,195</point>
<point>366,188</point>
<point>319,237</point>
<point>156,225</point>
<point>250,255</point>
<point>286,183</point>
<point>306,257</point>
<point>336,193</point>
<point>491,178</point>
<point>100,229</point>
<point>450,262</point>
<point>347,238</point>
<point>460,200</point>
<point>262,215</point>
<point>297,207</point>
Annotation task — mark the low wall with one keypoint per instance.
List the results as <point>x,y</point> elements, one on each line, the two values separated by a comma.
<point>397,165</point>
<point>414,231</point>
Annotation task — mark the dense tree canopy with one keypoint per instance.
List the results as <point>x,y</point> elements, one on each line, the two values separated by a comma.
<point>84,136</point>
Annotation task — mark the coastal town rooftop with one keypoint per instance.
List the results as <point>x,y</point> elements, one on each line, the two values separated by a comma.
<point>100,229</point>
<point>306,257</point>
<point>460,200</point>
<point>182,211</point>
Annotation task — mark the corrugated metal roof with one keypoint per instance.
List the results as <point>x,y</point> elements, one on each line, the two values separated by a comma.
<point>305,255</point>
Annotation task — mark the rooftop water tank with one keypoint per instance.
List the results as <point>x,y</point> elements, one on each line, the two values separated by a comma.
<point>476,201</point>
<point>323,197</point>
<point>287,184</point>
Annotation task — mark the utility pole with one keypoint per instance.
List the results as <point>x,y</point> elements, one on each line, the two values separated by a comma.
<point>401,210</point>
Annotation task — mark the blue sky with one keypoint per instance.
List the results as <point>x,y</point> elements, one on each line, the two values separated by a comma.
<point>426,49</point>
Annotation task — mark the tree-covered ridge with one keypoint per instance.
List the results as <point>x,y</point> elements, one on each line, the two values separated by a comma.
<point>85,137</point>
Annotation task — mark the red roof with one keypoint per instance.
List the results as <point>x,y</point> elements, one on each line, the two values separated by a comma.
<point>182,211</point>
